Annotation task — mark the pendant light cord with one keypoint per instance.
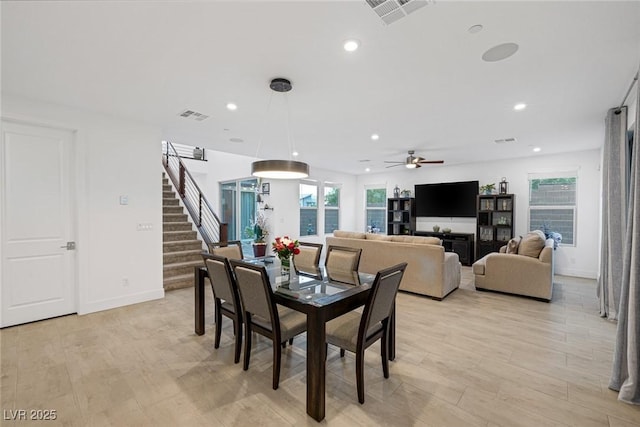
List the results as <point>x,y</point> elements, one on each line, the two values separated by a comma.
<point>290,141</point>
<point>264,125</point>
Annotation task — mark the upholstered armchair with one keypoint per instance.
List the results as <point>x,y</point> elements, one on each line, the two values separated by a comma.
<point>517,273</point>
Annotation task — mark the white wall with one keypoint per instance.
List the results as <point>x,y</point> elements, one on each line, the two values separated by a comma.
<point>113,157</point>
<point>284,219</point>
<point>579,260</point>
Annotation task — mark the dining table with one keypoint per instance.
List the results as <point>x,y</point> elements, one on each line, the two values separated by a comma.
<point>321,294</point>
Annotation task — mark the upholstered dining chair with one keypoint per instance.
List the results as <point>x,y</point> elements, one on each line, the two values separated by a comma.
<point>262,315</point>
<point>342,258</point>
<point>356,332</point>
<point>231,249</point>
<point>226,298</point>
<point>308,258</point>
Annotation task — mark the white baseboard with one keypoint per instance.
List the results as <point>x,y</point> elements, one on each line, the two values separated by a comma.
<point>120,301</point>
<point>576,273</point>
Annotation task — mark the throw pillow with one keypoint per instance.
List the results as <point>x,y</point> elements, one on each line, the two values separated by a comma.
<point>348,234</point>
<point>512,246</point>
<point>532,244</point>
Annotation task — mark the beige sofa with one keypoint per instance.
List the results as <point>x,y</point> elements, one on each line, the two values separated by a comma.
<point>516,273</point>
<point>430,270</point>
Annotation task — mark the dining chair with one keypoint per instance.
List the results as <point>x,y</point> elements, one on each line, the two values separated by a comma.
<point>262,315</point>
<point>342,258</point>
<point>226,298</point>
<point>231,249</point>
<point>308,258</point>
<point>356,332</point>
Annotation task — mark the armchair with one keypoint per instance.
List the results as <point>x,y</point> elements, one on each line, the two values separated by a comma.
<point>517,274</point>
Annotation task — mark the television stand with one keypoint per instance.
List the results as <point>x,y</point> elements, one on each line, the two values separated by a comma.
<point>460,243</point>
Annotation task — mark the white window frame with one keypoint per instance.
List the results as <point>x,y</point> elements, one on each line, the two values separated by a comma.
<point>383,208</point>
<point>330,208</point>
<point>573,208</point>
<point>316,208</point>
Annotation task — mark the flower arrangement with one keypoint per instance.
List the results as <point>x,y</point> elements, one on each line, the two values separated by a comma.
<point>284,247</point>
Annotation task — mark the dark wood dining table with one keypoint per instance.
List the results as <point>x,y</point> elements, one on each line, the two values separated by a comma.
<point>322,295</point>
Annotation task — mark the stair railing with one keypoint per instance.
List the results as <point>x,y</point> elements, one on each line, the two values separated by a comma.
<point>204,217</point>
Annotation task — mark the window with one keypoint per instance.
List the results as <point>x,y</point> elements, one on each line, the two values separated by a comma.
<point>552,204</point>
<point>308,209</point>
<point>331,208</point>
<point>376,205</point>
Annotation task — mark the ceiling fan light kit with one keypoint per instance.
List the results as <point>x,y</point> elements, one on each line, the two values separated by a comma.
<point>414,162</point>
<point>280,169</point>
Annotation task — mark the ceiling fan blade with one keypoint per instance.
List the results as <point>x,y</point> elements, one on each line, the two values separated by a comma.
<point>431,161</point>
<point>393,166</point>
<point>389,161</point>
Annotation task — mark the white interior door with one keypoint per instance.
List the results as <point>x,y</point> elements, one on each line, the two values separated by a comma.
<point>38,271</point>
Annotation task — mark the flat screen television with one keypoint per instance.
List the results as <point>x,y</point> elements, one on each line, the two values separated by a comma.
<point>447,199</point>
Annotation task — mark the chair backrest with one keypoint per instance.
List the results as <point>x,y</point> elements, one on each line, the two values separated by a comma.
<point>308,258</point>
<point>255,290</point>
<point>342,258</point>
<point>221,277</point>
<point>383,292</point>
<point>231,249</point>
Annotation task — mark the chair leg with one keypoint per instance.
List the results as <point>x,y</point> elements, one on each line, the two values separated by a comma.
<point>277,353</point>
<point>218,320</point>
<point>247,345</point>
<point>237,327</point>
<point>384,354</point>
<point>342,352</point>
<point>291,341</point>
<point>360,374</point>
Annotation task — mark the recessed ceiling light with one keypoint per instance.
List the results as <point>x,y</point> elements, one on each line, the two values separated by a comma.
<point>351,45</point>
<point>367,170</point>
<point>520,107</point>
<point>475,28</point>
<point>537,149</point>
<point>295,154</point>
<point>231,106</point>
<point>500,52</point>
<point>375,137</point>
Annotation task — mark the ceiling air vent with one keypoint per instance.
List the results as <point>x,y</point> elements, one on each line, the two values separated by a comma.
<point>190,114</point>
<point>392,10</point>
<point>504,140</point>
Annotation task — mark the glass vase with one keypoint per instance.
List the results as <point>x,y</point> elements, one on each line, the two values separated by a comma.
<point>285,268</point>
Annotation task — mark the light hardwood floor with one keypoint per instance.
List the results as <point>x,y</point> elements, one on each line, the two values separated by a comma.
<point>474,359</point>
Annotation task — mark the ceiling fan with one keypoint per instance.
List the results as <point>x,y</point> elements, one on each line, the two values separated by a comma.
<point>413,162</point>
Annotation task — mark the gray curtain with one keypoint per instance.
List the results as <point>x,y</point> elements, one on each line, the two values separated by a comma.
<point>626,369</point>
<point>614,204</point>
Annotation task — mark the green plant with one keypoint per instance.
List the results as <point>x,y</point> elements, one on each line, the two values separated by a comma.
<point>257,230</point>
<point>487,188</point>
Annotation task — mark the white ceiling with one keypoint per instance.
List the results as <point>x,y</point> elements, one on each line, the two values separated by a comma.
<point>420,82</point>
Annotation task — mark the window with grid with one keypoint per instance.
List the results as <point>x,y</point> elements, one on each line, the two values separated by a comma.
<point>331,208</point>
<point>308,209</point>
<point>552,204</point>
<point>376,208</point>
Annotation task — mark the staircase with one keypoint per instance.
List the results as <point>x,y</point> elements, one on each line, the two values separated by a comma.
<point>180,246</point>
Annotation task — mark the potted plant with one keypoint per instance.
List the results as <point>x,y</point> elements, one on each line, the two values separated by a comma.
<point>487,188</point>
<point>258,231</point>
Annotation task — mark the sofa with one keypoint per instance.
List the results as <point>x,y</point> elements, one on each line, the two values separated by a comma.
<point>430,270</point>
<point>527,269</point>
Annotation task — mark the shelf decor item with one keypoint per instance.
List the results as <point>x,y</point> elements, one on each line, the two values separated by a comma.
<point>436,228</point>
<point>487,188</point>
<point>396,192</point>
<point>504,186</point>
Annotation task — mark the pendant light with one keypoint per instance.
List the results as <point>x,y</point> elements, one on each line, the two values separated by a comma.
<point>280,169</point>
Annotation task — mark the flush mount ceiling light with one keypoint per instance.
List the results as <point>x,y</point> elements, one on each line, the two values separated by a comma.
<point>280,169</point>
<point>519,107</point>
<point>537,149</point>
<point>231,106</point>
<point>351,45</point>
<point>500,52</point>
<point>375,137</point>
